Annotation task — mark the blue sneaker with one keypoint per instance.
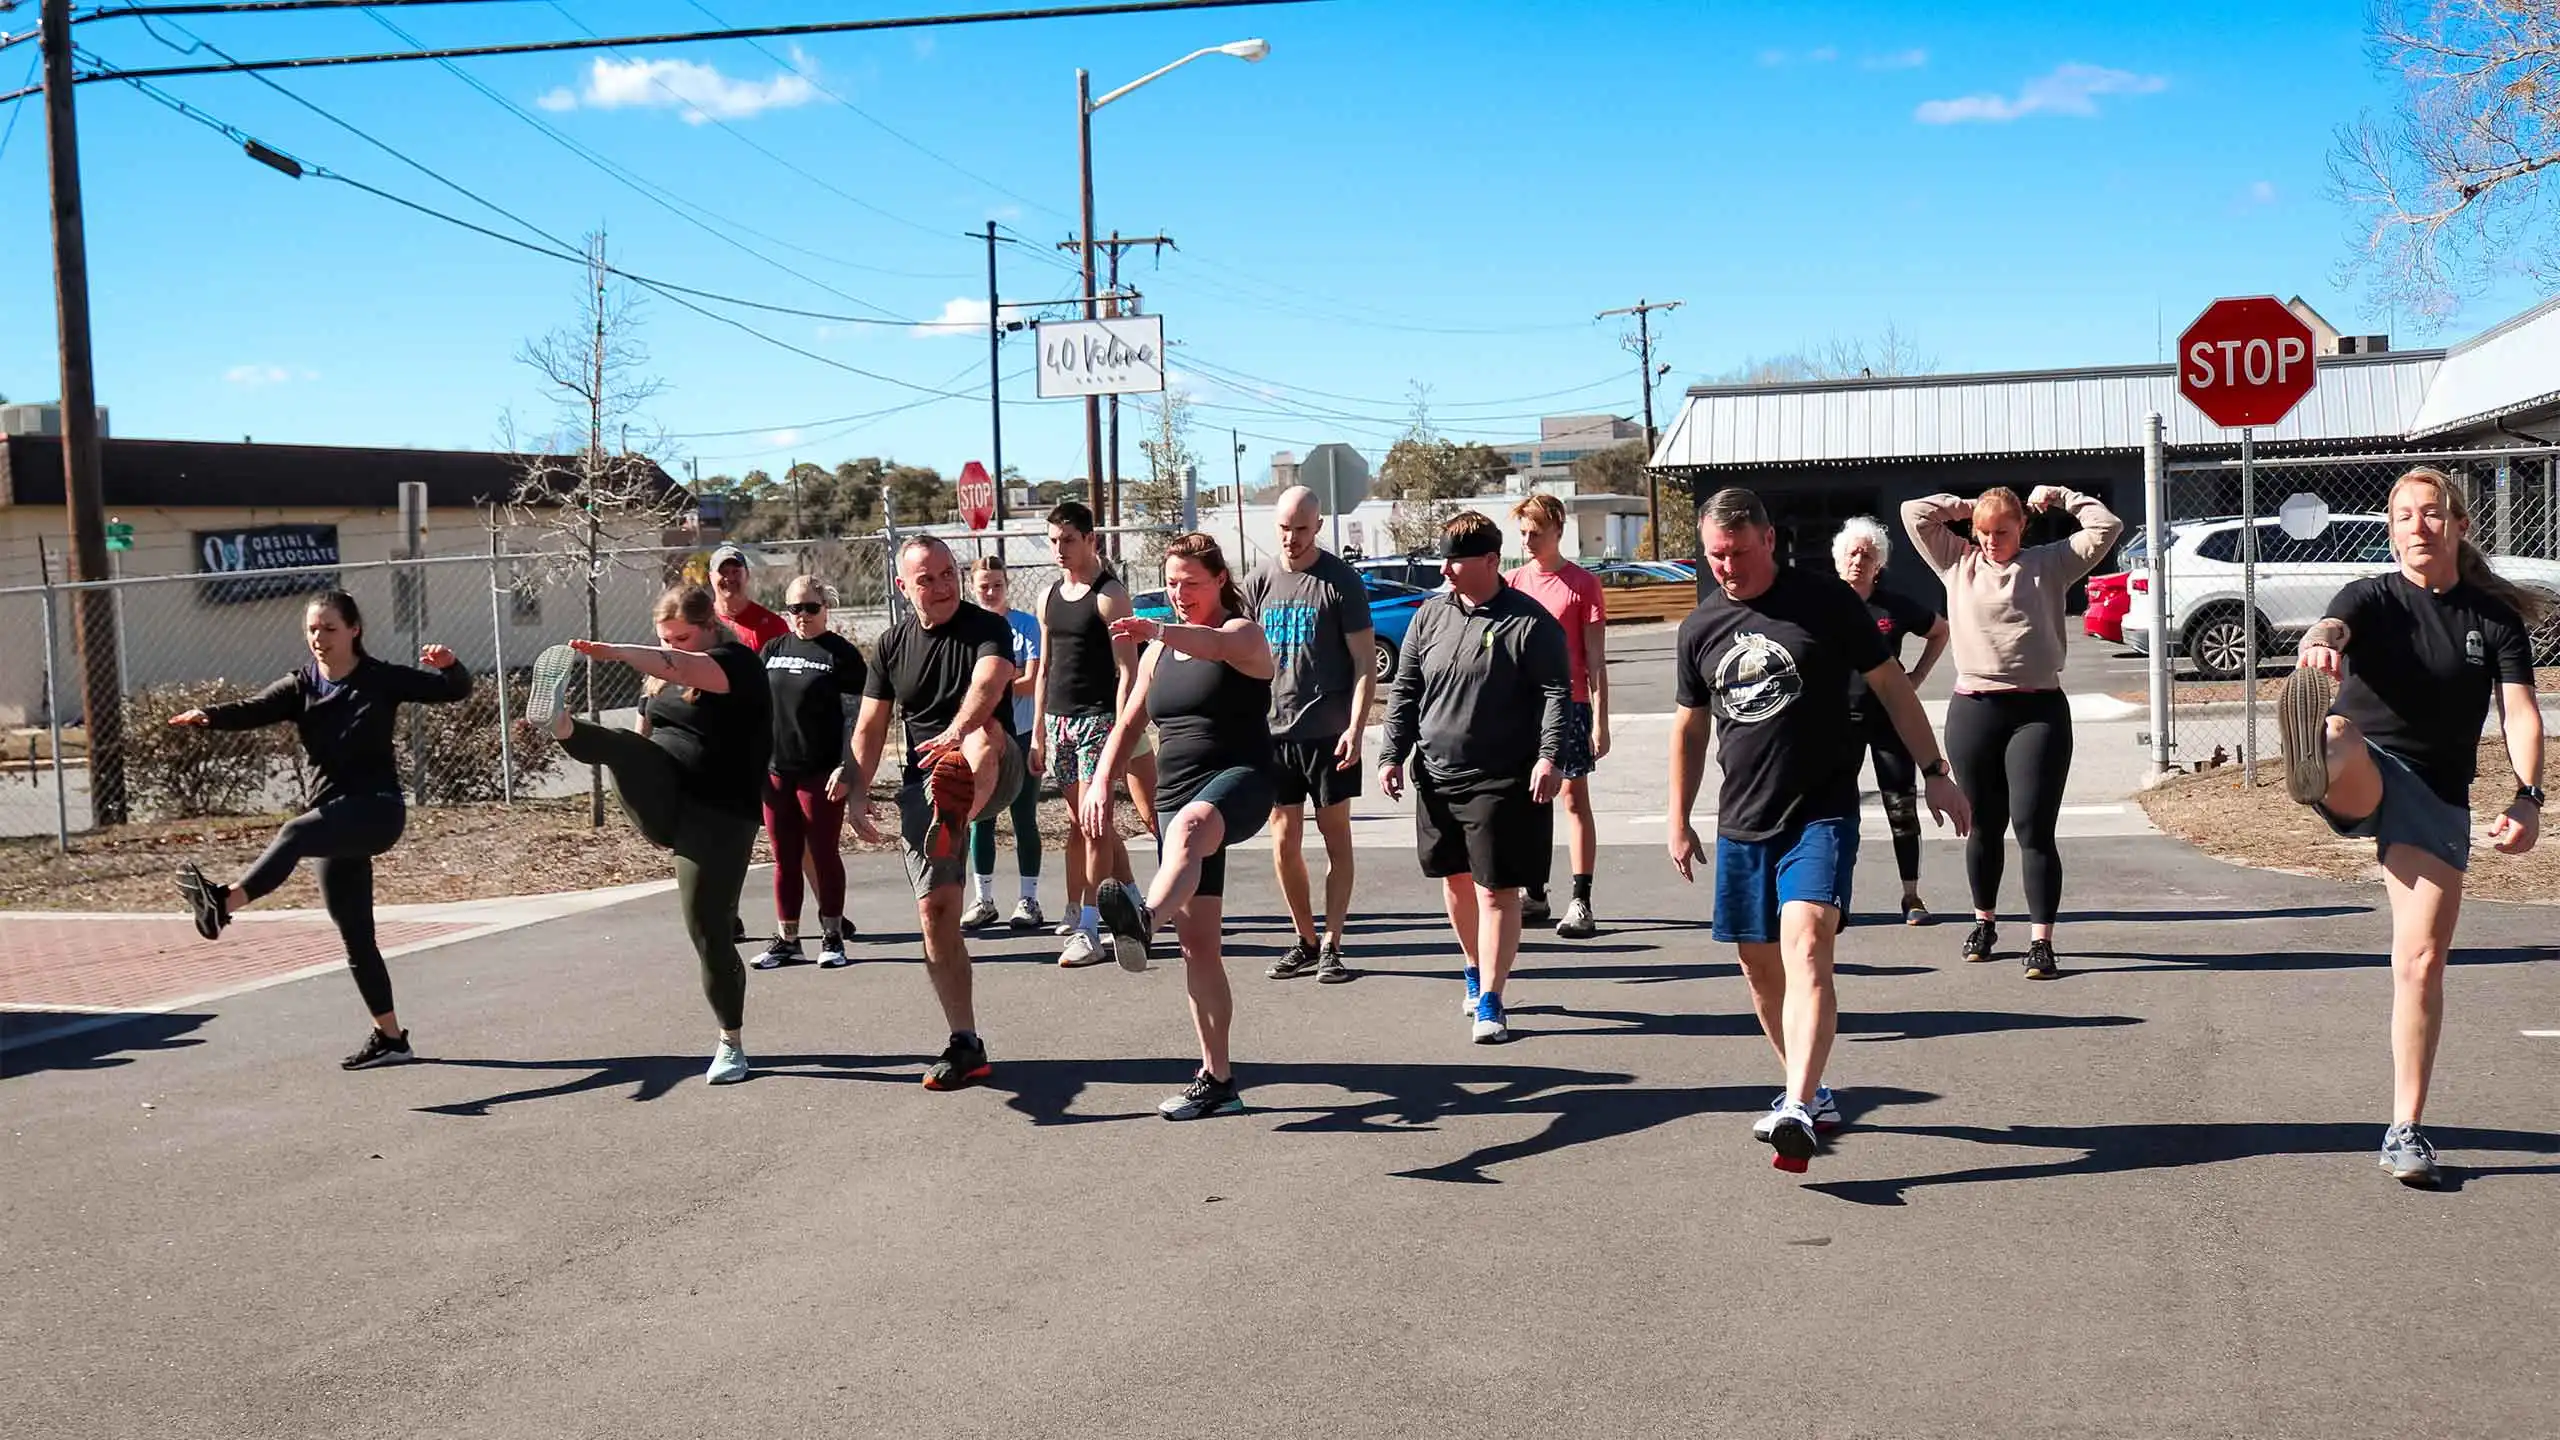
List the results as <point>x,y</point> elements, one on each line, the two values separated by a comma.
<point>1490,1029</point>
<point>1475,987</point>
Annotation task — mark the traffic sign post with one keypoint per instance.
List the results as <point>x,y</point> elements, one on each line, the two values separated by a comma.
<point>2246,362</point>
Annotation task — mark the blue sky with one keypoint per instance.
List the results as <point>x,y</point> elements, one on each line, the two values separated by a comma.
<point>1404,191</point>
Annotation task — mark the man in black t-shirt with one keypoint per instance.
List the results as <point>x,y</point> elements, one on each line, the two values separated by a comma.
<point>948,665</point>
<point>1766,660</point>
<point>2390,755</point>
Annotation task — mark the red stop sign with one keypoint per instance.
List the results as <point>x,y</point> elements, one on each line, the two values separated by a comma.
<point>2245,361</point>
<point>977,496</point>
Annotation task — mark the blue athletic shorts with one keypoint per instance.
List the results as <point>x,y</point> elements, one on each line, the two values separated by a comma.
<point>1756,878</point>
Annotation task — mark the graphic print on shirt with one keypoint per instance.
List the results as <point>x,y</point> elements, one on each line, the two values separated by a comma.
<point>2475,649</point>
<point>1290,626</point>
<point>1756,680</point>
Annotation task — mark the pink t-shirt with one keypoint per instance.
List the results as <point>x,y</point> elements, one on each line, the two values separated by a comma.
<point>1574,596</point>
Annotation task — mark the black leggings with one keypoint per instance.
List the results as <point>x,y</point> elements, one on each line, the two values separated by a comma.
<point>712,848</point>
<point>340,839</point>
<point>2012,755</point>
<point>1897,785</point>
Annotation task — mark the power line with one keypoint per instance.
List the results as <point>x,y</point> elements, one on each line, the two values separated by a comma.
<point>32,62</point>
<point>828,27</point>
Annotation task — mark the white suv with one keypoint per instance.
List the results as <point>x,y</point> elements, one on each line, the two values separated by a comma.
<point>2296,581</point>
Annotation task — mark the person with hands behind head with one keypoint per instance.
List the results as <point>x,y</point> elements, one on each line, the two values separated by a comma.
<point>693,785</point>
<point>816,677</point>
<point>1764,662</point>
<point>948,666</point>
<point>1480,705</point>
<point>1204,681</point>
<point>343,706</point>
<point>2009,725</point>
<point>2390,754</point>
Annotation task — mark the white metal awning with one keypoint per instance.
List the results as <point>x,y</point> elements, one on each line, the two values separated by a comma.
<point>2500,372</point>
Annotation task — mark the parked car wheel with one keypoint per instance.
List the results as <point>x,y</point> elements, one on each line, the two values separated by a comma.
<point>2217,641</point>
<point>1384,662</point>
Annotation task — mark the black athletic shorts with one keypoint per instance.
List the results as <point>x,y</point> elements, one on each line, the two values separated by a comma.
<point>1488,829</point>
<point>1302,771</point>
<point>1242,796</point>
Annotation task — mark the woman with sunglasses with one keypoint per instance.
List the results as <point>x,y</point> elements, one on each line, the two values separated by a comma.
<point>816,677</point>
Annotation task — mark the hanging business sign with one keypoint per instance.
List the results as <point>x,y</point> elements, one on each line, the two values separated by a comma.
<point>1101,357</point>
<point>271,560</point>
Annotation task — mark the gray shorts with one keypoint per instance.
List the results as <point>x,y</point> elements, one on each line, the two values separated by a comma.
<point>915,825</point>
<point>2411,813</point>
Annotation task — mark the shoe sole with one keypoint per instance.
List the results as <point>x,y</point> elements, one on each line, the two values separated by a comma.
<point>2302,727</point>
<point>1229,1106</point>
<point>727,1077</point>
<point>962,1081</point>
<point>1092,958</point>
<point>1283,970</point>
<point>953,793</point>
<point>546,694</point>
<point>836,963</point>
<point>2048,974</point>
<point>1794,1146</point>
<point>1582,932</point>
<point>395,1057</point>
<point>1120,912</point>
<point>1915,917</point>
<point>1492,1037</point>
<point>968,924</point>
<point>1338,975</point>
<point>202,905</point>
<point>1984,955</point>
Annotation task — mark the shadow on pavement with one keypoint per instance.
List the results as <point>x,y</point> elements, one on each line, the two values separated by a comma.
<point>652,1076</point>
<point>2376,959</point>
<point>2116,1149</point>
<point>1862,1026</point>
<point>35,1040</point>
<point>2162,917</point>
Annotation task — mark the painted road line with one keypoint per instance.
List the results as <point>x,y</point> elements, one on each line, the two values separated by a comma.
<point>2542,1034</point>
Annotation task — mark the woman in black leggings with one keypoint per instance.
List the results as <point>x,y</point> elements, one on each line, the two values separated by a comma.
<point>343,704</point>
<point>694,784</point>
<point>1205,682</point>
<point>2009,726</point>
<point>1860,552</point>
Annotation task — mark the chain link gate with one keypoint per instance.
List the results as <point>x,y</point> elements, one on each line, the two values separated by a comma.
<point>2321,524</point>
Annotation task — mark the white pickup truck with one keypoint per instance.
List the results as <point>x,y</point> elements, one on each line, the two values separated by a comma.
<point>2296,581</point>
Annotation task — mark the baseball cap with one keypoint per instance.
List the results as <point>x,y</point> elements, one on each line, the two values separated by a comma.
<point>727,553</point>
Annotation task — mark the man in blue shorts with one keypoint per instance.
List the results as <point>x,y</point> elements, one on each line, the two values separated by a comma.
<point>1766,659</point>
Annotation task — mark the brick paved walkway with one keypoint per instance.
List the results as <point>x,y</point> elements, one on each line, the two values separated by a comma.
<point>135,962</point>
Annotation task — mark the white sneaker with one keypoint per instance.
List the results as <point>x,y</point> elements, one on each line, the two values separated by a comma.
<point>1824,1113</point>
<point>1081,950</point>
<point>1791,1136</point>
<point>1026,915</point>
<point>728,1065</point>
<point>981,912</point>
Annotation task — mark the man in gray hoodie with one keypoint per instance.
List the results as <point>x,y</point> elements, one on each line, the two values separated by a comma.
<point>1481,693</point>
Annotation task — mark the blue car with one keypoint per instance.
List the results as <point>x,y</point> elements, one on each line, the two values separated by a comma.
<point>1391,608</point>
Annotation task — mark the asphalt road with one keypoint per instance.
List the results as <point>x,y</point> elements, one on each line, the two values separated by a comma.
<point>2140,1201</point>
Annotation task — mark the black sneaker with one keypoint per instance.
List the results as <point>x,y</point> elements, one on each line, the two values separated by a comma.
<point>963,1063</point>
<point>1533,909</point>
<point>379,1050</point>
<point>204,899</point>
<point>1206,1095</point>
<point>780,953</point>
<point>1979,944</point>
<point>2040,964</point>
<point>1295,961</point>
<point>1329,967</point>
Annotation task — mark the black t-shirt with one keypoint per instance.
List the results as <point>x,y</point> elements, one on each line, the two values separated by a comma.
<point>2421,670</point>
<point>720,742</point>
<point>814,683</point>
<point>1775,671</point>
<point>928,671</point>
<point>1898,618</point>
<point>1209,717</point>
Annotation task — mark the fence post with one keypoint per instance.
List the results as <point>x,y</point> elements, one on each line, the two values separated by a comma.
<point>2249,606</point>
<point>53,720</point>
<point>498,673</point>
<point>2155,530</point>
<point>2506,507</point>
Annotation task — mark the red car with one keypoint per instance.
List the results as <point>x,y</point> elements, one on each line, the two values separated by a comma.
<point>2107,604</point>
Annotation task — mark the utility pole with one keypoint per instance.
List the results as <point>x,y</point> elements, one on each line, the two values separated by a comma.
<point>1092,311</point>
<point>1108,510</point>
<point>1643,311</point>
<point>1236,443</point>
<point>995,377</point>
<point>83,472</point>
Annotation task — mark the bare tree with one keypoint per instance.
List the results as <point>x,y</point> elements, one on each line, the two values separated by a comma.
<point>584,481</point>
<point>1167,448</point>
<point>2448,188</point>
<point>1838,358</point>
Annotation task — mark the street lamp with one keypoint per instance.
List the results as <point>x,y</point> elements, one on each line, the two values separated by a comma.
<point>1246,50</point>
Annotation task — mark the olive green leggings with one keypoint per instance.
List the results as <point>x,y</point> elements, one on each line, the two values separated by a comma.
<point>712,848</point>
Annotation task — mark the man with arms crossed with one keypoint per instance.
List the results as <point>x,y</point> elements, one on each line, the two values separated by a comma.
<point>1768,653</point>
<point>1315,611</point>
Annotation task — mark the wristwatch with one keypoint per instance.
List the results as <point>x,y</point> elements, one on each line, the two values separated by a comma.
<point>1936,769</point>
<point>2532,793</point>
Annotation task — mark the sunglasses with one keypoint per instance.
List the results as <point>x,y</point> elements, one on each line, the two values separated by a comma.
<point>807,607</point>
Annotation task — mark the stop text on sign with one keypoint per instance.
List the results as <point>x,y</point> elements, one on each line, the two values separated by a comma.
<point>2258,360</point>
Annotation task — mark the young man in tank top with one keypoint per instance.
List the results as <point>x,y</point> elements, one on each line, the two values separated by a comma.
<point>1086,675</point>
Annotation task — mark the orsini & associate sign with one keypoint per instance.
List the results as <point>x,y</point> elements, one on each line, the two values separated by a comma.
<point>299,558</point>
<point>1101,357</point>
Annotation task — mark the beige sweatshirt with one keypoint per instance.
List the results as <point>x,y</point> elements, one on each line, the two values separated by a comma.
<point>2007,620</point>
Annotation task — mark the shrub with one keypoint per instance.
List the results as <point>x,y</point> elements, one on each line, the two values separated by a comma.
<point>177,773</point>
<point>464,763</point>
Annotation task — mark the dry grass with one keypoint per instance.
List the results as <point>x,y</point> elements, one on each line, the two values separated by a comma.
<point>462,852</point>
<point>2264,828</point>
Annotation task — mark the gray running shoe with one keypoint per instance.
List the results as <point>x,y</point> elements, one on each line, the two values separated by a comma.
<point>1329,967</point>
<point>728,1065</point>
<point>1026,915</point>
<point>981,913</point>
<point>780,953</point>
<point>1577,923</point>
<point>547,694</point>
<point>2408,1156</point>
<point>2302,729</point>
<point>1206,1095</point>
<point>1295,961</point>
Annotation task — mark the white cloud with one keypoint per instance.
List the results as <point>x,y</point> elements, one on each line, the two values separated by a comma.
<point>963,315</point>
<point>1911,59</point>
<point>924,47</point>
<point>2262,192</point>
<point>1823,56</point>
<point>2071,89</point>
<point>784,439</point>
<point>256,376</point>
<point>1773,58</point>
<point>700,91</point>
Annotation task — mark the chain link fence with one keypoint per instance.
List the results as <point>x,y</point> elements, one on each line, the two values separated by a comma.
<point>191,640</point>
<point>2236,613</point>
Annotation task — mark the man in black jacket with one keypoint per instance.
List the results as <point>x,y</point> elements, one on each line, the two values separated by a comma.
<point>1474,657</point>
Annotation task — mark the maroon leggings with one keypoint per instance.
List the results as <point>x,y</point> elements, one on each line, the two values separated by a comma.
<point>802,820</point>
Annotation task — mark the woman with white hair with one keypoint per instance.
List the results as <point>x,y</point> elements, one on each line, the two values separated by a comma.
<point>1861,551</point>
